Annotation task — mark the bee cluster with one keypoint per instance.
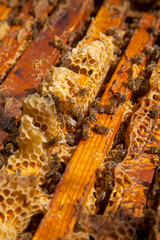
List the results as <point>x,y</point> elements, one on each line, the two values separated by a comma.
<point>104,183</point>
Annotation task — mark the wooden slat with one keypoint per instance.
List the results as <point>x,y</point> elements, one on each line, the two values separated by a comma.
<point>4,11</point>
<point>58,220</point>
<point>138,41</point>
<point>132,184</point>
<point>40,55</point>
<point>17,39</point>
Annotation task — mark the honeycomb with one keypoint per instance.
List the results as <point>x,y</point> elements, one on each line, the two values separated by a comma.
<point>63,151</point>
<point>63,83</point>
<point>100,227</point>
<point>89,207</point>
<point>20,199</point>
<point>154,79</point>
<point>39,126</point>
<point>143,120</point>
<point>31,158</point>
<point>44,114</point>
<point>94,60</point>
<point>88,66</point>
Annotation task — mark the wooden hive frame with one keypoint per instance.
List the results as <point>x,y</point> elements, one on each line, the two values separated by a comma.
<point>77,183</point>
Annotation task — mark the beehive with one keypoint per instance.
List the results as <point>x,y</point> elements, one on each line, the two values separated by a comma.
<point>101,152</point>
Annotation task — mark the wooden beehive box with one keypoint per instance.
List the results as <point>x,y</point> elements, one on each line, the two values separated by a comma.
<point>79,120</point>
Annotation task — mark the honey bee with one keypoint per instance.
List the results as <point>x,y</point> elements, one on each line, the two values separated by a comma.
<point>85,133</point>
<point>60,118</point>
<point>83,92</point>
<point>56,177</point>
<point>120,96</point>
<point>153,113</point>
<point>55,157</point>
<point>135,84</point>
<point>24,236</point>
<point>74,37</point>
<point>150,67</point>
<point>138,59</point>
<point>52,188</point>
<point>147,50</point>
<point>71,101</point>
<point>52,142</point>
<point>57,103</point>
<point>49,175</point>
<point>1,160</point>
<point>135,25</point>
<point>70,138</point>
<point>9,148</point>
<point>110,32</point>
<point>153,150</point>
<point>100,129</point>
<point>98,106</point>
<point>109,110</point>
<point>118,51</point>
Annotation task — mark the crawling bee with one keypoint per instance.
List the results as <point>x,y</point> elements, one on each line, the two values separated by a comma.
<point>57,103</point>
<point>118,52</point>
<point>135,25</point>
<point>147,50</point>
<point>100,129</point>
<point>150,67</point>
<point>129,33</point>
<point>153,150</point>
<point>138,59</point>
<point>120,96</point>
<point>52,188</point>
<point>55,164</point>
<point>49,175</point>
<point>83,92</point>
<point>59,44</point>
<point>52,142</point>
<point>153,113</point>
<point>85,133</point>
<point>1,160</point>
<point>12,20</point>
<point>70,138</point>
<point>60,118</point>
<point>135,84</point>
<point>71,101</point>
<point>110,32</point>
<point>55,157</point>
<point>9,148</point>
<point>118,41</point>
<point>98,106</point>
<point>74,37</point>
<point>92,114</point>
<point>24,236</point>
<point>152,30</point>
<point>109,110</point>
<point>76,113</point>
<point>109,165</point>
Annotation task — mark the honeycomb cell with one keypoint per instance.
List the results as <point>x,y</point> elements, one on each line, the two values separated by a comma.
<point>89,64</point>
<point>23,199</point>
<point>44,114</point>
